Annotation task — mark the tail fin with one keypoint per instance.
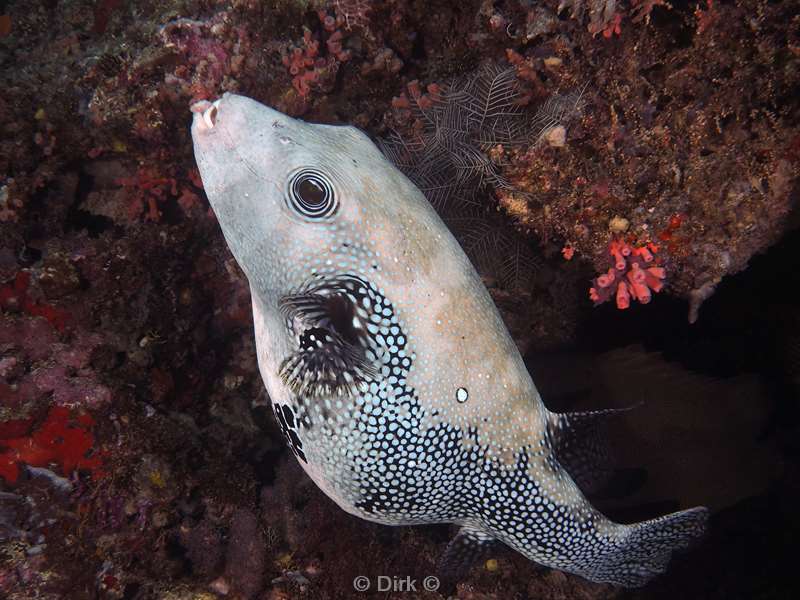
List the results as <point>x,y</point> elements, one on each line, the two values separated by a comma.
<point>645,549</point>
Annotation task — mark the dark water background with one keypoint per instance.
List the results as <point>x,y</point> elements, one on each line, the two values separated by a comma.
<point>719,424</point>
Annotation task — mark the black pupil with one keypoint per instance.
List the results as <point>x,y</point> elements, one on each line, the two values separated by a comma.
<point>310,192</point>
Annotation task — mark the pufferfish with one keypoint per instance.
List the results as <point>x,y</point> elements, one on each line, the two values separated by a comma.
<point>393,377</point>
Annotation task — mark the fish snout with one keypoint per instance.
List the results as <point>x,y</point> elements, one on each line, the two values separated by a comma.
<point>207,112</point>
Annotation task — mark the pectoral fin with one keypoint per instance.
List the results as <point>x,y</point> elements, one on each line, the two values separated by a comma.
<point>331,358</point>
<point>325,365</point>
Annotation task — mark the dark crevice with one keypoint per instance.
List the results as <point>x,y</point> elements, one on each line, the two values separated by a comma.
<point>79,219</point>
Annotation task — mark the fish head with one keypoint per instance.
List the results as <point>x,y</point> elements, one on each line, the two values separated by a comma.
<point>284,191</point>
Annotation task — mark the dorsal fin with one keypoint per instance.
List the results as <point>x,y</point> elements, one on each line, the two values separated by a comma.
<point>580,443</point>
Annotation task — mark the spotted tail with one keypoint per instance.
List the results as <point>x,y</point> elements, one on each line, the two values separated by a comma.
<point>644,549</point>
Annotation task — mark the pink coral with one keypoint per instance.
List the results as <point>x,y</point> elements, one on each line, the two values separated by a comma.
<point>308,68</point>
<point>213,54</point>
<point>207,59</point>
<point>635,274</point>
<point>305,64</point>
<point>147,190</point>
<point>409,107</point>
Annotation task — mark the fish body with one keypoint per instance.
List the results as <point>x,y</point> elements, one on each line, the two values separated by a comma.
<point>389,368</point>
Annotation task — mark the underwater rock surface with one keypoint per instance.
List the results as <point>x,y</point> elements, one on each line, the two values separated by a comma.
<point>138,455</point>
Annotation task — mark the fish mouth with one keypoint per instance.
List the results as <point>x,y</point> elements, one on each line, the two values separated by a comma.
<point>207,111</point>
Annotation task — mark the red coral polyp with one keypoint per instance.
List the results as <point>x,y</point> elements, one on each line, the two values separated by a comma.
<point>15,296</point>
<point>634,275</point>
<point>147,191</point>
<point>61,440</point>
<point>308,68</point>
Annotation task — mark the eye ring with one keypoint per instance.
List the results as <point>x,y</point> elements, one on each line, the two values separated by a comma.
<point>310,194</point>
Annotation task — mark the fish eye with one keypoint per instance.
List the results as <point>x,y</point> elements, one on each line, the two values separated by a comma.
<point>310,194</point>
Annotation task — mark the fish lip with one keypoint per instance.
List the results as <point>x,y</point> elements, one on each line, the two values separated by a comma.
<point>207,112</point>
<point>200,106</point>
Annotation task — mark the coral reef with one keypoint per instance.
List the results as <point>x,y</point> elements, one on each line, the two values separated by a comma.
<point>57,440</point>
<point>138,455</point>
<point>670,154</point>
